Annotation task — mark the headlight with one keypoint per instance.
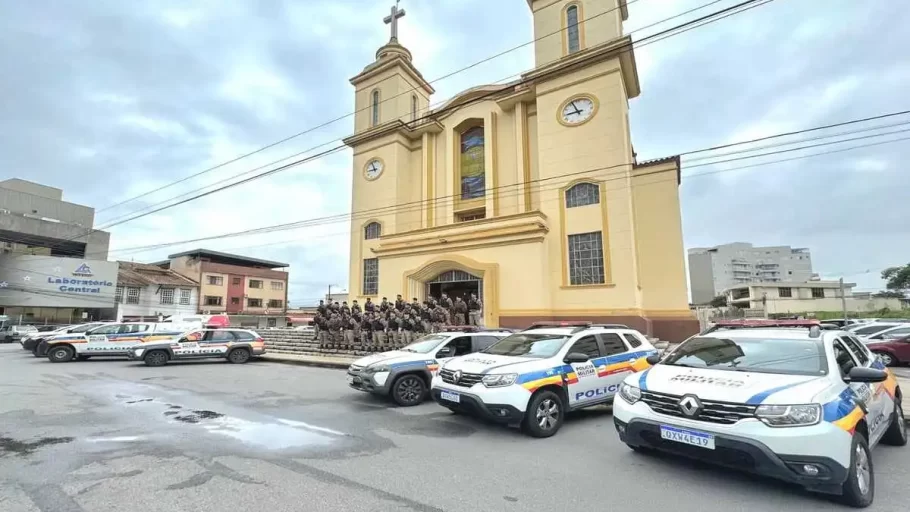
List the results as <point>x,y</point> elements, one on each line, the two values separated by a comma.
<point>495,381</point>
<point>629,393</point>
<point>789,415</point>
<point>377,369</point>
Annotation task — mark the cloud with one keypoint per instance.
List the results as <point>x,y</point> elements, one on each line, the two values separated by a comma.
<point>116,99</point>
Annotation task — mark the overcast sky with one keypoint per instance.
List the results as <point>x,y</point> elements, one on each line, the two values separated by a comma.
<point>110,99</point>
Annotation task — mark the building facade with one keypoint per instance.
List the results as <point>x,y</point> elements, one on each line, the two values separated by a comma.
<point>804,297</point>
<point>233,284</point>
<point>715,269</point>
<point>528,193</point>
<point>150,293</point>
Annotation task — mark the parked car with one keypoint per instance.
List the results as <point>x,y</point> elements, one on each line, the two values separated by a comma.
<point>892,351</point>
<point>872,328</point>
<point>13,333</point>
<point>108,340</point>
<point>897,331</point>
<point>37,343</point>
<point>236,345</point>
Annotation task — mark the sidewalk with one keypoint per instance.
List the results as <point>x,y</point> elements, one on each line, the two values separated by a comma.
<point>317,361</point>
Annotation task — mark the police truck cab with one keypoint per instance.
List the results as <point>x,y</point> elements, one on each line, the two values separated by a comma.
<point>532,378</point>
<point>794,402</point>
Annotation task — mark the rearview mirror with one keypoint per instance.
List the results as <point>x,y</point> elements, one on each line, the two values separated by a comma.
<point>866,375</point>
<point>576,357</point>
<point>653,359</point>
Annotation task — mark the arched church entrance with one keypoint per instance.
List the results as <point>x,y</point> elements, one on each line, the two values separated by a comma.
<point>455,283</point>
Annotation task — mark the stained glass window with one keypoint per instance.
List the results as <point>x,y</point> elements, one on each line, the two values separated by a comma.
<point>586,258</point>
<point>582,194</point>
<point>473,174</point>
<point>572,28</point>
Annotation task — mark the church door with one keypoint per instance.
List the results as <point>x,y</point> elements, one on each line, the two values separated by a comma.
<point>455,283</point>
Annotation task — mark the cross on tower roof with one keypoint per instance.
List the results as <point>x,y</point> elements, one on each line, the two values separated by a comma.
<point>392,19</point>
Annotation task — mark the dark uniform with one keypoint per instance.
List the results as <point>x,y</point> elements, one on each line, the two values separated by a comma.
<point>461,311</point>
<point>345,310</point>
<point>449,306</point>
<point>368,306</point>
<point>355,308</point>
<point>407,329</point>
<point>475,308</point>
<point>384,307</point>
<point>394,335</point>
<point>399,304</point>
<point>335,329</point>
<point>426,318</point>
<point>367,330</point>
<point>378,331</point>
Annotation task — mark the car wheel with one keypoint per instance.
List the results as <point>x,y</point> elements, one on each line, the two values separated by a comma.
<point>544,415</point>
<point>859,489</point>
<point>61,354</point>
<point>155,358</point>
<point>896,435</point>
<point>239,356</point>
<point>40,349</point>
<point>886,358</point>
<point>409,390</point>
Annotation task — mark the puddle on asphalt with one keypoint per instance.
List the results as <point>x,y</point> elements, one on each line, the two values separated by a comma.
<point>193,416</point>
<point>9,445</point>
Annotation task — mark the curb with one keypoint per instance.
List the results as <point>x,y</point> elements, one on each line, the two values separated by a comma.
<point>307,362</point>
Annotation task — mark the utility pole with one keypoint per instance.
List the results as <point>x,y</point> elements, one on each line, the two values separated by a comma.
<point>329,296</point>
<point>843,298</point>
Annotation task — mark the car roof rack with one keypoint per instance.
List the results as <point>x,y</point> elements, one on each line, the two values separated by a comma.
<point>726,325</point>
<point>472,328</point>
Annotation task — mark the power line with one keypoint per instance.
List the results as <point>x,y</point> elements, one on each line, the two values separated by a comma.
<point>345,116</point>
<point>702,21</point>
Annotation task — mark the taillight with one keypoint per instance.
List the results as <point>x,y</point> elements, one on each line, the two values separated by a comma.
<point>260,340</point>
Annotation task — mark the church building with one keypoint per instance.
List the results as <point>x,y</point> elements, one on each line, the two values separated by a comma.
<point>527,193</point>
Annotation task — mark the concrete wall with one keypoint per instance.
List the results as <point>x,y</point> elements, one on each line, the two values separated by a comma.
<point>701,278</point>
<point>42,281</point>
<point>601,26</point>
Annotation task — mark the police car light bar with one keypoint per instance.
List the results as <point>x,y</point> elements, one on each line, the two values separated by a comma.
<point>767,324</point>
<point>545,325</point>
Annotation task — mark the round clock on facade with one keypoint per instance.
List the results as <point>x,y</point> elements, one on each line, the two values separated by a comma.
<point>577,110</point>
<point>373,169</point>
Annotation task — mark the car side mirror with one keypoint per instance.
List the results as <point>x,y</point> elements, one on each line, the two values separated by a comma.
<point>576,357</point>
<point>653,359</point>
<point>862,374</point>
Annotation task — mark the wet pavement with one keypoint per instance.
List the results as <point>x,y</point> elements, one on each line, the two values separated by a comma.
<point>209,436</point>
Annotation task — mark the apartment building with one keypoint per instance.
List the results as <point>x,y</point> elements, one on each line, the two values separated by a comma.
<point>812,296</point>
<point>150,293</point>
<point>233,284</point>
<point>715,269</point>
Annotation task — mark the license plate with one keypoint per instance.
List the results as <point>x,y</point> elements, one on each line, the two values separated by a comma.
<point>350,379</point>
<point>691,437</point>
<point>452,397</point>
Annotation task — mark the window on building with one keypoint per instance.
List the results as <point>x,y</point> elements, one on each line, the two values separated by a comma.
<point>582,194</point>
<point>414,107</point>
<point>572,32</point>
<point>818,293</point>
<point>276,303</point>
<point>132,295</point>
<point>372,231</point>
<point>216,280</point>
<point>235,300</point>
<point>473,170</point>
<point>213,300</point>
<point>586,258</point>
<point>278,285</point>
<point>374,106</point>
<point>185,296</point>
<point>255,283</point>
<point>166,295</point>
<point>237,281</point>
<point>785,293</point>
<point>254,303</point>
<point>371,276</point>
<point>118,295</point>
<point>472,215</point>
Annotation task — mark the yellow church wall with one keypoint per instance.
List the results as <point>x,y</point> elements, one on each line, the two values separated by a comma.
<point>533,160</point>
<point>395,92</point>
<point>596,26</point>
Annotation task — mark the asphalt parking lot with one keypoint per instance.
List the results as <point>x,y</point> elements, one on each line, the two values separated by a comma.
<point>100,436</point>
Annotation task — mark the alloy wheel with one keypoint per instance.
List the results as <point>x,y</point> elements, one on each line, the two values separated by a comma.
<point>410,389</point>
<point>547,414</point>
<point>863,475</point>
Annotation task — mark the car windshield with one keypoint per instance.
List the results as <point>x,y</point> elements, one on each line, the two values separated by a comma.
<point>528,344</point>
<point>761,355</point>
<point>425,344</point>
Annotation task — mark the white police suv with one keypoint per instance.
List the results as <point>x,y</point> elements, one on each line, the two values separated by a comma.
<point>115,339</point>
<point>532,378</point>
<point>797,403</point>
<point>405,374</point>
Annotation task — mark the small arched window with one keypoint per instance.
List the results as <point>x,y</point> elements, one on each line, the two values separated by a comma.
<point>582,194</point>
<point>372,231</point>
<point>414,107</point>
<point>374,105</point>
<point>572,29</point>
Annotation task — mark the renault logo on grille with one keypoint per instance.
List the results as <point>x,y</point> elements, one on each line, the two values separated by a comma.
<point>456,377</point>
<point>690,405</point>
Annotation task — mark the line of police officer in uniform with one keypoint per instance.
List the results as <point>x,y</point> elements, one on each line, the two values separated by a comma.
<point>384,326</point>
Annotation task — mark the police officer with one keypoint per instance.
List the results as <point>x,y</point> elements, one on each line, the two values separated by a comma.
<point>355,331</point>
<point>368,306</point>
<point>366,331</point>
<point>399,304</point>
<point>322,329</point>
<point>348,324</point>
<point>345,309</point>
<point>461,311</point>
<point>426,317</point>
<point>439,318</point>
<point>408,329</point>
<point>394,334</point>
<point>334,330</point>
<point>384,306</point>
<point>378,331</point>
<point>355,308</point>
<point>449,306</point>
<point>321,309</point>
<point>475,311</point>
<point>415,304</point>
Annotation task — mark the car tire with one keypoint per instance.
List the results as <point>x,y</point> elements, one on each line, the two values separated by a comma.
<point>887,359</point>
<point>858,490</point>
<point>155,358</point>
<point>40,350</point>
<point>545,414</point>
<point>239,356</point>
<point>896,435</point>
<point>62,354</point>
<point>409,390</point>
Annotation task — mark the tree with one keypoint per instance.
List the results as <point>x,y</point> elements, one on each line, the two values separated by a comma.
<point>719,301</point>
<point>889,295</point>
<point>897,278</point>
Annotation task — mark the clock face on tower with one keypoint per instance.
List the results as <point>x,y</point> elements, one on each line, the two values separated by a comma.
<point>373,169</point>
<point>577,110</point>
